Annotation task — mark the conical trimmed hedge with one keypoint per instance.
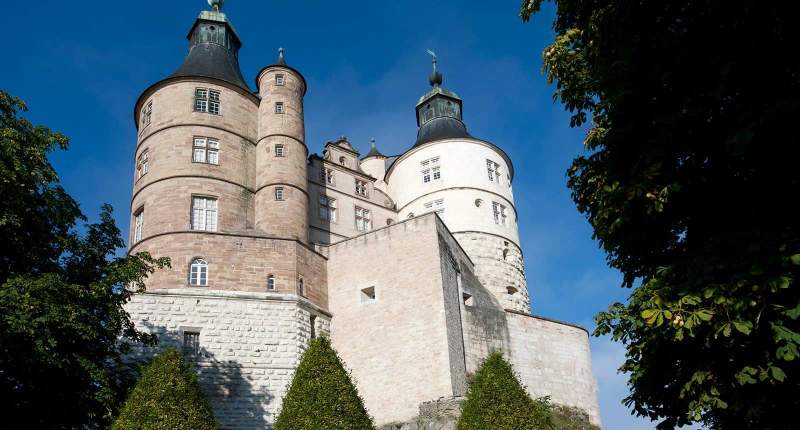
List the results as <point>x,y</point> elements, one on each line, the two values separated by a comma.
<point>321,395</point>
<point>496,400</point>
<point>166,397</point>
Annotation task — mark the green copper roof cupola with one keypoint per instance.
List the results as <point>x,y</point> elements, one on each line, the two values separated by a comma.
<point>213,48</point>
<point>439,111</point>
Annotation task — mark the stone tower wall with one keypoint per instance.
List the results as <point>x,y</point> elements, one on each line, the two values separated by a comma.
<point>288,218</point>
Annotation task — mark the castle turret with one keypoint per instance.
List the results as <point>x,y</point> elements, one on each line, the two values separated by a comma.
<point>467,181</point>
<point>281,201</point>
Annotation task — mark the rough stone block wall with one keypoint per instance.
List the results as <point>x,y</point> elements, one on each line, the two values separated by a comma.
<point>250,344</point>
<point>553,359</point>
<point>499,265</point>
<point>396,346</point>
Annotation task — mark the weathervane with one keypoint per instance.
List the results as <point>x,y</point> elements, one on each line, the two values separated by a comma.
<point>216,4</point>
<point>436,77</point>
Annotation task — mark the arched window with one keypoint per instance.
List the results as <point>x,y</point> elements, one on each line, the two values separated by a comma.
<point>271,282</point>
<point>343,161</point>
<point>198,272</point>
<point>301,289</point>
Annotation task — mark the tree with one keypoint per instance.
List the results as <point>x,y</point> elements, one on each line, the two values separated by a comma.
<point>167,397</point>
<point>321,395</point>
<point>63,329</point>
<point>496,400</point>
<point>688,180</point>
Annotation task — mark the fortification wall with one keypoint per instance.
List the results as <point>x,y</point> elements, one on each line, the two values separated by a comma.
<point>249,345</point>
<point>397,346</point>
<point>553,359</point>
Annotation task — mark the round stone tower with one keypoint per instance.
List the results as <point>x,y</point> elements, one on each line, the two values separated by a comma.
<point>281,200</point>
<point>467,181</point>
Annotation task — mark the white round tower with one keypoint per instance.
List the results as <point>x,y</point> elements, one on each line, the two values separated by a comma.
<point>467,181</point>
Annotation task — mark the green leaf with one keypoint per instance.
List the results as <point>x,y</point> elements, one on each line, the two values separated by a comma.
<point>795,259</point>
<point>705,314</point>
<point>744,327</point>
<point>793,313</point>
<point>777,373</point>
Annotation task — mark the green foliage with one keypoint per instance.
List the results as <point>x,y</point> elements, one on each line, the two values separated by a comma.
<point>321,395</point>
<point>167,397</point>
<point>570,418</point>
<point>688,178</point>
<point>496,400</point>
<point>63,329</point>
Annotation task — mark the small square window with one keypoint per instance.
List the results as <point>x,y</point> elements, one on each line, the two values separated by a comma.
<point>279,151</point>
<point>191,342</point>
<point>368,295</point>
<point>279,80</point>
<point>469,301</point>
<point>271,282</point>
<point>279,193</point>
<point>278,107</point>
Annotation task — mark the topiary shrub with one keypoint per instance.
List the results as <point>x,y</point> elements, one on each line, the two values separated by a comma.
<point>571,418</point>
<point>166,397</point>
<point>321,395</point>
<point>496,400</point>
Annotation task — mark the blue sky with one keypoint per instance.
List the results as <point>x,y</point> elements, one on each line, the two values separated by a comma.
<point>80,66</point>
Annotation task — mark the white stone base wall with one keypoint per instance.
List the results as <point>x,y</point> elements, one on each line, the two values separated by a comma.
<point>498,265</point>
<point>250,344</point>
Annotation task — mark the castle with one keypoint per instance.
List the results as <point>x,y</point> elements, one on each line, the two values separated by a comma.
<point>410,263</point>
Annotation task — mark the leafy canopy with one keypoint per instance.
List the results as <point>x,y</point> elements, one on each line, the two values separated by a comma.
<point>167,397</point>
<point>496,400</point>
<point>688,179</point>
<point>63,329</point>
<point>321,395</point>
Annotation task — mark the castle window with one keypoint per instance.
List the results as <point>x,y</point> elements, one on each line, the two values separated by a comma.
<point>279,80</point>
<point>142,164</point>
<point>279,152</point>
<point>278,107</point>
<point>301,288</point>
<point>468,300</point>
<point>147,113</point>
<point>361,187</point>
<point>204,213</point>
<point>499,212</point>
<point>435,206</point>
<point>191,342</point>
<point>278,193</point>
<point>363,221</point>
<point>368,295</point>
<point>343,161</point>
<point>511,290</point>
<point>271,282</point>
<point>312,321</point>
<point>139,223</point>
<point>493,170</point>
<point>327,208</point>
<point>326,176</point>
<point>206,100</point>
<point>430,170</point>
<point>198,272</point>
<point>205,150</point>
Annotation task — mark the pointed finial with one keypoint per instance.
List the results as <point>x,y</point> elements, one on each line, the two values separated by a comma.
<point>216,4</point>
<point>436,78</point>
<point>281,60</point>
<point>372,141</point>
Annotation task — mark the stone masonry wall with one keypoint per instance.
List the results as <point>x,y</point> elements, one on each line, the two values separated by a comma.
<point>553,359</point>
<point>250,344</point>
<point>397,346</point>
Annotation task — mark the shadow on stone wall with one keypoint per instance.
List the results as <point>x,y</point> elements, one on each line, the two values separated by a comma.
<point>228,386</point>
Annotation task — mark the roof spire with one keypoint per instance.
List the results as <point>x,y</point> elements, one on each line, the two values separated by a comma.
<point>216,4</point>
<point>436,78</point>
<point>281,60</point>
<point>372,142</point>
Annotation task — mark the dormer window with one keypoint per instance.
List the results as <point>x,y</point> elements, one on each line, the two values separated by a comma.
<point>361,187</point>
<point>279,80</point>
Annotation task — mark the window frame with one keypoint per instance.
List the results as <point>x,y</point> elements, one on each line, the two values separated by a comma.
<point>138,226</point>
<point>361,188</point>
<point>207,147</point>
<point>280,194</point>
<point>280,150</point>
<point>493,170</point>
<point>431,169</point>
<point>363,219</point>
<point>208,224</point>
<point>271,283</point>
<point>436,205</point>
<point>147,114</point>
<point>201,275</point>
<point>207,100</point>
<point>142,164</point>
<point>328,204</point>
<point>279,108</point>
<point>280,80</point>
<point>191,342</point>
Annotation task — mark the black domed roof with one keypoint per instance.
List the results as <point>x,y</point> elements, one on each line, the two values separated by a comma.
<point>439,128</point>
<point>213,50</point>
